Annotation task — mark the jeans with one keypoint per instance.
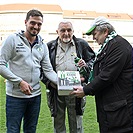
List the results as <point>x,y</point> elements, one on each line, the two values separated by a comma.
<point>22,108</point>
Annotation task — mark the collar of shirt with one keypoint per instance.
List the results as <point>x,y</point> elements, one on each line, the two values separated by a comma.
<point>36,41</point>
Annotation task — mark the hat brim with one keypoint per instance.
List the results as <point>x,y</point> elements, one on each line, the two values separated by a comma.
<point>90,30</point>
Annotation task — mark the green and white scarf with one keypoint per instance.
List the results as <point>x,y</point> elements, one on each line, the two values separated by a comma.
<point>108,38</point>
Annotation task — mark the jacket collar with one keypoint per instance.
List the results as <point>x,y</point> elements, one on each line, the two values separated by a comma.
<point>21,34</point>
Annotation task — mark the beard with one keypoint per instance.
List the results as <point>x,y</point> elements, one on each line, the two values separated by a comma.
<point>33,32</point>
<point>66,40</point>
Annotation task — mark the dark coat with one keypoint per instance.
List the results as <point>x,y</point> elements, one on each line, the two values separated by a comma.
<point>83,51</point>
<point>112,87</point>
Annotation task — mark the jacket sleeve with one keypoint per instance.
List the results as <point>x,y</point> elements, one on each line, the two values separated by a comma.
<point>6,54</point>
<point>110,67</point>
<point>45,80</point>
<point>88,56</point>
<point>48,73</point>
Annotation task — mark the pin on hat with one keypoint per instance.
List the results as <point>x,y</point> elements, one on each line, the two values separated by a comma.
<point>97,21</point>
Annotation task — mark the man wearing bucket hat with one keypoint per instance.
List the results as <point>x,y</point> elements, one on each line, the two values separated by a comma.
<point>111,79</point>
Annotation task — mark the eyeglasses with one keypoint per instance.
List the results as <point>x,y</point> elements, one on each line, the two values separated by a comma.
<point>64,30</point>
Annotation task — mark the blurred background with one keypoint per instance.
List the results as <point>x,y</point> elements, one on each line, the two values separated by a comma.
<point>81,14</point>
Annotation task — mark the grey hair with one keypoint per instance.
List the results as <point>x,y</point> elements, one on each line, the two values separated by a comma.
<point>105,26</point>
<point>65,22</point>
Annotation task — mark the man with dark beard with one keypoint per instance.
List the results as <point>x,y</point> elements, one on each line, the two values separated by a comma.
<point>62,52</point>
<point>25,53</point>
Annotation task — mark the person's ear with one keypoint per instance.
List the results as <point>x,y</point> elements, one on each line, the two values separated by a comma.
<point>106,32</point>
<point>57,31</point>
<point>25,22</point>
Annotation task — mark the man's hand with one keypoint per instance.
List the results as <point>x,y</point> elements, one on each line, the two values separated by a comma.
<point>25,87</point>
<point>81,63</point>
<point>78,91</point>
<point>82,78</point>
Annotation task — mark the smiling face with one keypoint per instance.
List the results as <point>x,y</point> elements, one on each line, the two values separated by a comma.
<point>33,25</point>
<point>65,32</point>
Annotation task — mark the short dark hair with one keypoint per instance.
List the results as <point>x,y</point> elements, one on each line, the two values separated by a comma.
<point>33,13</point>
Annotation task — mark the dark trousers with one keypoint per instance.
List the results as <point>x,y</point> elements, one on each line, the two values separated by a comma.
<point>22,108</point>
